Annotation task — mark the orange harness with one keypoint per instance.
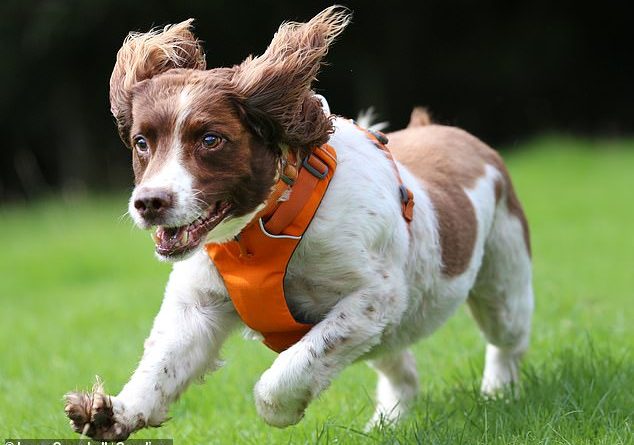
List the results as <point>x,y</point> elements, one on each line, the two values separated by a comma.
<point>253,266</point>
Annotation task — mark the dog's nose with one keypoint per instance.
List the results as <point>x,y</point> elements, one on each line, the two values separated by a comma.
<point>153,203</point>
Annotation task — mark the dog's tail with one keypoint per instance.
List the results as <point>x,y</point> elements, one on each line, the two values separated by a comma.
<point>420,117</point>
<point>368,119</point>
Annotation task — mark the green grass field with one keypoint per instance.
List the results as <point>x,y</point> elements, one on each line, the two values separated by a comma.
<point>79,287</point>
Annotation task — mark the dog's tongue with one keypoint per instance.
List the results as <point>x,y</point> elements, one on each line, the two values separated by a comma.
<point>171,240</point>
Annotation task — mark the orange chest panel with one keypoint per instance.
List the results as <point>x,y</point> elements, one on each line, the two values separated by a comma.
<point>253,267</point>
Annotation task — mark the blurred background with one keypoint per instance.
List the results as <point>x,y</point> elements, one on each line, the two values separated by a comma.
<point>504,70</point>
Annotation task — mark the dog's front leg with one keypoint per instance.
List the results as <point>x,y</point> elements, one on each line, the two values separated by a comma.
<point>350,329</point>
<point>194,320</point>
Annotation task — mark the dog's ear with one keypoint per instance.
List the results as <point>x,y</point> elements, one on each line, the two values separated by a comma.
<point>144,55</point>
<point>274,89</point>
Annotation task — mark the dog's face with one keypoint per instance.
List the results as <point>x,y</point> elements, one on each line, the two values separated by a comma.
<point>200,172</point>
<point>206,144</point>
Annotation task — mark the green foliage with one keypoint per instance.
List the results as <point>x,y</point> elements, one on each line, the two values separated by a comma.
<point>79,288</point>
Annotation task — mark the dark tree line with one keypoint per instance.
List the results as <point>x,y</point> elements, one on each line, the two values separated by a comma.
<point>502,69</point>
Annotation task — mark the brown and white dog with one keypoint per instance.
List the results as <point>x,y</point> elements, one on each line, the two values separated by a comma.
<point>207,146</point>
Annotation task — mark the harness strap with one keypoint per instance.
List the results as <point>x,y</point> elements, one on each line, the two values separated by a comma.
<point>405,194</point>
<point>314,169</point>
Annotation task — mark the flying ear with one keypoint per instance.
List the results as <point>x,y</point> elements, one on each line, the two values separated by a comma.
<point>274,89</point>
<point>144,55</point>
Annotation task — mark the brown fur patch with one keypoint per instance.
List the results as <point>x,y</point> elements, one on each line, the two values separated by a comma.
<point>448,160</point>
<point>243,171</point>
<point>514,206</point>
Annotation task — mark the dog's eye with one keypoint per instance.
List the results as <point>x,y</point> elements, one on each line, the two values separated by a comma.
<point>212,141</point>
<point>141,144</point>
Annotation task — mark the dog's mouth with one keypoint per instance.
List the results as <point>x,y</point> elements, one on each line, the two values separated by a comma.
<point>177,241</point>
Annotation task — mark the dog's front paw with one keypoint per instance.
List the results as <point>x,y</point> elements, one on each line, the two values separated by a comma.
<point>278,404</point>
<point>92,415</point>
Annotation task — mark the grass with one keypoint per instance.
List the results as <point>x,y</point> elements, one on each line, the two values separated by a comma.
<point>79,288</point>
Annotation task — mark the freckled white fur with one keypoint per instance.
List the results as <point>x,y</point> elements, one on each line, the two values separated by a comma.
<point>371,284</point>
<point>184,342</point>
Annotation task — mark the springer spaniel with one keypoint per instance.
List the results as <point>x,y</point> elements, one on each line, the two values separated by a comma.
<point>207,146</point>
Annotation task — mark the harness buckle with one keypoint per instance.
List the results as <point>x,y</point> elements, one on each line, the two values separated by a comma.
<point>404,193</point>
<point>407,200</point>
<point>313,165</point>
<point>380,136</point>
<point>288,174</point>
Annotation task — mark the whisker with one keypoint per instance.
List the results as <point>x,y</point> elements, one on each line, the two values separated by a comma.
<point>125,215</point>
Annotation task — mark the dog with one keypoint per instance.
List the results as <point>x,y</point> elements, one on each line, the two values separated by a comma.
<point>209,146</point>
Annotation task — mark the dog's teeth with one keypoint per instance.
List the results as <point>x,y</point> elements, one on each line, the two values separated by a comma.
<point>184,237</point>
<point>156,238</point>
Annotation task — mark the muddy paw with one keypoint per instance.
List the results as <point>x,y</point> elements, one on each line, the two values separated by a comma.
<point>91,414</point>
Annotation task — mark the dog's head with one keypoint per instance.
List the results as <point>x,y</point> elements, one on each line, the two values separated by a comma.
<point>207,144</point>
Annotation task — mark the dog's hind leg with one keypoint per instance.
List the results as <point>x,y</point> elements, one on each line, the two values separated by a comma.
<point>502,300</point>
<point>396,388</point>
